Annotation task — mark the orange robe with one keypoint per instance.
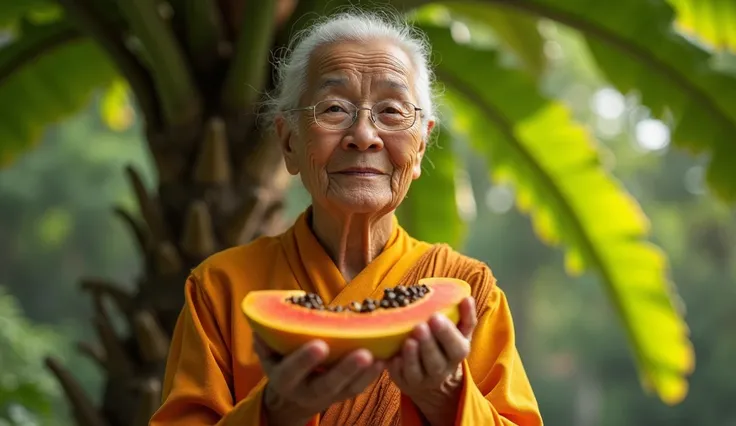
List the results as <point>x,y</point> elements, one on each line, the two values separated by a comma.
<point>213,377</point>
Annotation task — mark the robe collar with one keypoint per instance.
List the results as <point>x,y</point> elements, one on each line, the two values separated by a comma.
<point>316,272</point>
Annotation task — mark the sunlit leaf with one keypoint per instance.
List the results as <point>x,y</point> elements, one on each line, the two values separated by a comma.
<point>553,164</point>
<point>116,109</point>
<point>45,76</point>
<point>639,53</point>
<point>430,210</point>
<point>636,46</point>
<point>515,30</point>
<point>711,21</point>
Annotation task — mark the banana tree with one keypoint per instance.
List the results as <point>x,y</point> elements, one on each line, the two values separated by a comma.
<point>197,68</point>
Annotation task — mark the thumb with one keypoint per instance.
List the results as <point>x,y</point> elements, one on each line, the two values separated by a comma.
<point>468,319</point>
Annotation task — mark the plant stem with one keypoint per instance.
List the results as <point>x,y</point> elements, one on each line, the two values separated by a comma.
<point>180,100</point>
<point>204,32</point>
<point>245,77</point>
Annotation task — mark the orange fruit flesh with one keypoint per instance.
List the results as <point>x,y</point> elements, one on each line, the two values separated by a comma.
<point>285,326</point>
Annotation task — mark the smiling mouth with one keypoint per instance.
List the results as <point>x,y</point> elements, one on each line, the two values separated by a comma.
<point>360,172</point>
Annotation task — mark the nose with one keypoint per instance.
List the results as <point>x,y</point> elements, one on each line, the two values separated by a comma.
<point>363,134</point>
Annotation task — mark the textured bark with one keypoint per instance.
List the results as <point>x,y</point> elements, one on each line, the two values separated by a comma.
<point>220,184</point>
<point>201,210</point>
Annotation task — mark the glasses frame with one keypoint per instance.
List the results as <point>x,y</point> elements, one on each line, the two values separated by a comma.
<point>313,108</point>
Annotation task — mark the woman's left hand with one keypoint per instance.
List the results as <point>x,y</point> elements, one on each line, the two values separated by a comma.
<point>428,369</point>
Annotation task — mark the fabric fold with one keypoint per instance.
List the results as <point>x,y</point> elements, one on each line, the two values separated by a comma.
<point>213,375</point>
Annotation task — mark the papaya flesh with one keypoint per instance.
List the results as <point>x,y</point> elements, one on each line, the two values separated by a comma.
<point>287,319</point>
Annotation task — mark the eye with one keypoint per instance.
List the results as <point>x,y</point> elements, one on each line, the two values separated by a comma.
<point>331,107</point>
<point>390,108</point>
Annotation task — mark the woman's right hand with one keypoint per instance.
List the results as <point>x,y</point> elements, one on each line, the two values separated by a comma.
<point>295,391</point>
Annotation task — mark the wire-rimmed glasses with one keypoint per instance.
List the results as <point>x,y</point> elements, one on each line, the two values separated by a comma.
<point>335,114</point>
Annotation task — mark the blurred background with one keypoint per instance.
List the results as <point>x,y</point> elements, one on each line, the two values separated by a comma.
<point>56,228</point>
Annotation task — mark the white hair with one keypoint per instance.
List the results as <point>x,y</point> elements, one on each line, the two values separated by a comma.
<point>358,26</point>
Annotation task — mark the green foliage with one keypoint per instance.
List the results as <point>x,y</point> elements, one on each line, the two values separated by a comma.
<point>637,53</point>
<point>116,109</point>
<point>513,29</point>
<point>710,21</point>
<point>534,144</point>
<point>430,210</point>
<point>26,390</point>
<point>58,227</point>
<point>47,73</point>
<point>12,11</point>
<point>56,220</point>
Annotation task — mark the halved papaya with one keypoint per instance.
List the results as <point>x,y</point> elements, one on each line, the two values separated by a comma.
<point>287,319</point>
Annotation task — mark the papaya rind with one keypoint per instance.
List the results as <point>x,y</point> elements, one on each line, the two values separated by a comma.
<point>383,342</point>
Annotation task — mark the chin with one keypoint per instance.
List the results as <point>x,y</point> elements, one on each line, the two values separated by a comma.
<point>353,204</point>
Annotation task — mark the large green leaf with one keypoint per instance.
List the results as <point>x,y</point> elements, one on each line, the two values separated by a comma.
<point>515,30</point>
<point>637,48</point>
<point>430,210</point>
<point>711,21</point>
<point>534,144</point>
<point>47,74</point>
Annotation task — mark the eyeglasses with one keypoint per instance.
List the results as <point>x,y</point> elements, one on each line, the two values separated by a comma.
<point>389,115</point>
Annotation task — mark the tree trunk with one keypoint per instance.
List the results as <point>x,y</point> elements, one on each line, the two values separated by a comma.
<point>205,202</point>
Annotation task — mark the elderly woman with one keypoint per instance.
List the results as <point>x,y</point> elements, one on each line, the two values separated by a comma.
<point>355,114</point>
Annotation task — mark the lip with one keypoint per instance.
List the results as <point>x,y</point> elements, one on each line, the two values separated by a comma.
<point>360,171</point>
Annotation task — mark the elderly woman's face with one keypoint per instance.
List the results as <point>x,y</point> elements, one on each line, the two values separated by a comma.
<point>362,169</point>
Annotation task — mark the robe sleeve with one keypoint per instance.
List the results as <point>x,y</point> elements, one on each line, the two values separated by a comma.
<point>496,390</point>
<point>198,388</point>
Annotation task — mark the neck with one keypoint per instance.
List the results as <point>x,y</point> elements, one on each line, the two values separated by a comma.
<point>351,240</point>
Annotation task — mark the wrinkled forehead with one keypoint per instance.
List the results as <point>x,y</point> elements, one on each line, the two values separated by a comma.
<point>357,67</point>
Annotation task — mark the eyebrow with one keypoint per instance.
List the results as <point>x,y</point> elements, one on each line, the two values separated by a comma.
<point>393,84</point>
<point>329,82</point>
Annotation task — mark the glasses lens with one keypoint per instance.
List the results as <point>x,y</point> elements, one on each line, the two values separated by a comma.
<point>394,115</point>
<point>334,114</point>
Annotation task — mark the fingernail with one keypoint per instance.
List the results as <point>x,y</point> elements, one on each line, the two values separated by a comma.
<point>319,349</point>
<point>423,331</point>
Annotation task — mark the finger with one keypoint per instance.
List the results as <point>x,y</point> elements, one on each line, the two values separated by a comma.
<point>453,343</point>
<point>432,358</point>
<point>294,368</point>
<point>411,368</point>
<point>468,319</point>
<point>339,377</point>
<point>365,378</point>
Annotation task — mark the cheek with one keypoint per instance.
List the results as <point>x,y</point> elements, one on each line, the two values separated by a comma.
<point>404,150</point>
<point>317,149</point>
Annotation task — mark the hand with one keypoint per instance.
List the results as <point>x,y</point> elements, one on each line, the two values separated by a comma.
<point>295,391</point>
<point>429,370</point>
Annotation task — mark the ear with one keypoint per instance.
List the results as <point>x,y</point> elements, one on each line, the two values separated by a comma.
<point>417,166</point>
<point>285,136</point>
